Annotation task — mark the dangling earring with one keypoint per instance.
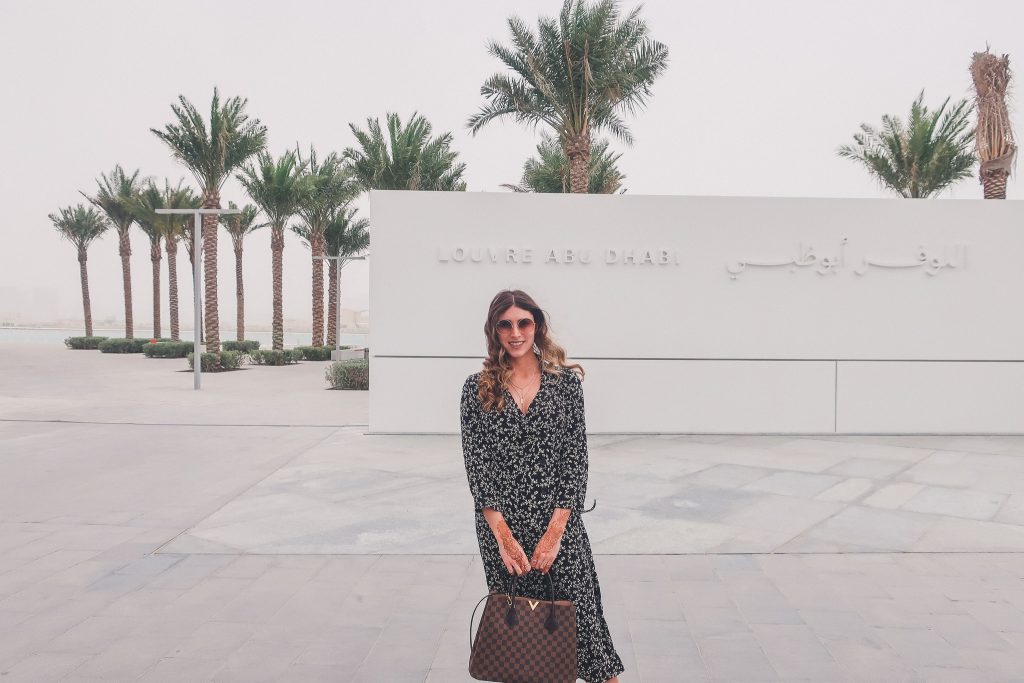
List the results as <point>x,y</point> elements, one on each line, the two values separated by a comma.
<point>536,349</point>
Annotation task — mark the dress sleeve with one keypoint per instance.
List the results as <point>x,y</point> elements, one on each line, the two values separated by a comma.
<point>477,452</point>
<point>571,482</point>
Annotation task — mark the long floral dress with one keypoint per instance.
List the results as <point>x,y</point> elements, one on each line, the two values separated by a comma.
<point>526,465</point>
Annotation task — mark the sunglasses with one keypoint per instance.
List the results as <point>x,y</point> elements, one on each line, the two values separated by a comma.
<point>505,326</point>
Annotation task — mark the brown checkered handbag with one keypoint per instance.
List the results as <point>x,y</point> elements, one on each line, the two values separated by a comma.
<point>524,640</point>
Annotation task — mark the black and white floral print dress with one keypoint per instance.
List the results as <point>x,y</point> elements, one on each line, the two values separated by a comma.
<point>526,465</point>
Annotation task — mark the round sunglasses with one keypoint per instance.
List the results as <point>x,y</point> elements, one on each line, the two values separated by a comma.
<point>505,326</point>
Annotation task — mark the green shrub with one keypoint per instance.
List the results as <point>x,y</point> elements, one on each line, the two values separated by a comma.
<point>178,349</point>
<point>275,357</point>
<point>121,345</point>
<point>83,342</point>
<point>316,352</point>
<point>217,362</point>
<point>246,345</point>
<point>349,374</point>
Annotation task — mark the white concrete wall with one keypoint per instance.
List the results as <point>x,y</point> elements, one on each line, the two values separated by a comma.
<point>814,334</point>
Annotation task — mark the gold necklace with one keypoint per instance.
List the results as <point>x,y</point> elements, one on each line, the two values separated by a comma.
<point>521,400</point>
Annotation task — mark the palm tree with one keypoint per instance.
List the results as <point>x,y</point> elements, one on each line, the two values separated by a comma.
<point>175,228</point>
<point>277,188</point>
<point>994,139</point>
<point>347,237</point>
<point>167,228</point>
<point>330,188</point>
<point>549,170</point>
<point>212,153</point>
<point>409,159</point>
<point>577,74</point>
<point>144,206</point>
<point>239,226</point>
<point>922,157</point>
<point>80,226</point>
<point>114,198</point>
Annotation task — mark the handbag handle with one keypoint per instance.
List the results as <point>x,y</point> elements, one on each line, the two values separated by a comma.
<point>551,623</point>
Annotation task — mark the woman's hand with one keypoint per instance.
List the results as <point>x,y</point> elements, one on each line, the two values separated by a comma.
<point>550,543</point>
<point>546,551</point>
<point>512,554</point>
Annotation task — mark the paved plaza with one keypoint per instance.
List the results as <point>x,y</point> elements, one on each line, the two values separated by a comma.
<point>253,531</point>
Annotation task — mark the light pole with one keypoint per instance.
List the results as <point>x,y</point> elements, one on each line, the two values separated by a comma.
<point>337,288</point>
<point>197,251</point>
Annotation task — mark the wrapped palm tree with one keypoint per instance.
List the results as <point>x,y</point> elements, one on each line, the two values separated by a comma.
<point>549,170</point>
<point>81,226</point>
<point>577,74</point>
<point>994,139</point>
<point>239,226</point>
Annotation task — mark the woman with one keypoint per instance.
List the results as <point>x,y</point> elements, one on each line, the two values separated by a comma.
<point>525,447</point>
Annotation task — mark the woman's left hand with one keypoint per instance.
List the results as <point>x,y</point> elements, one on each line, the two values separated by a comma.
<point>547,550</point>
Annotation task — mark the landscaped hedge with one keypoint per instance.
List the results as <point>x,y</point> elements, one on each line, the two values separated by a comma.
<point>121,345</point>
<point>173,349</point>
<point>217,362</point>
<point>246,345</point>
<point>349,374</point>
<point>317,352</point>
<point>275,357</point>
<point>83,342</point>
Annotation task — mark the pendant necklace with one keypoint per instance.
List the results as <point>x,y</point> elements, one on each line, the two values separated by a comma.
<point>521,401</point>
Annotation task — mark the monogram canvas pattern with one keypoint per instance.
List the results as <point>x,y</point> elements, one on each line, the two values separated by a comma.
<point>526,466</point>
<point>525,652</point>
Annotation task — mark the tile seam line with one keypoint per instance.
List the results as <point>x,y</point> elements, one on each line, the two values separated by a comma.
<point>729,358</point>
<point>240,491</point>
<point>603,554</point>
<point>176,424</point>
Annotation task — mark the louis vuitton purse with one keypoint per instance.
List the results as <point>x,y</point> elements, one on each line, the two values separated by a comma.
<point>524,640</point>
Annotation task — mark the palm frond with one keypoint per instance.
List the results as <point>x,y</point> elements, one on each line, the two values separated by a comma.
<point>80,225</point>
<point>212,151</point>
<point>276,186</point>
<point>920,157</point>
<point>115,195</point>
<point>577,74</point>
<point>407,158</point>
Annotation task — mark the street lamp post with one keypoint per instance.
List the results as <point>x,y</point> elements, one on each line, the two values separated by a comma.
<point>197,249</point>
<point>337,288</point>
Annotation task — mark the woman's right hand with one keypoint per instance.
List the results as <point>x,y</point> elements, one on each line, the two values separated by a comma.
<point>512,554</point>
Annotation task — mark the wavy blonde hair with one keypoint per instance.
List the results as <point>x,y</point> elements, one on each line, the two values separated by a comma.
<point>498,366</point>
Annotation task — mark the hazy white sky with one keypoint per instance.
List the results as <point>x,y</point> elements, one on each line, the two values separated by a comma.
<point>757,98</point>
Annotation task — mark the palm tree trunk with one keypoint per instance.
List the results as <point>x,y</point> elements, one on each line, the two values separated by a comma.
<point>277,250</point>
<point>239,292</point>
<point>318,246</point>
<point>86,305</point>
<point>993,180</point>
<point>332,304</point>
<point>211,200</point>
<point>191,246</point>
<point>125,249</point>
<point>577,151</point>
<point>155,257</point>
<point>171,247</point>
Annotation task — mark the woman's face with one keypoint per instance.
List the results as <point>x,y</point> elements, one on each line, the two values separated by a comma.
<point>518,341</point>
